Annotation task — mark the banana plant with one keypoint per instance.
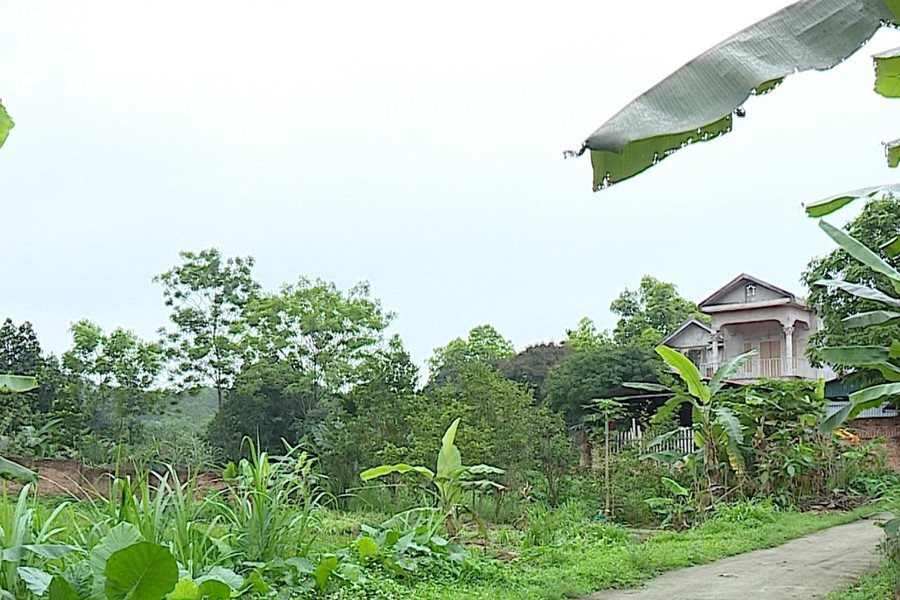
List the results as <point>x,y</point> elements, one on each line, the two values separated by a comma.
<point>15,384</point>
<point>883,359</point>
<point>718,433</point>
<point>450,480</point>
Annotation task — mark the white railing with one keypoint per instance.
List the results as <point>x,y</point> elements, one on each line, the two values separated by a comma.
<point>771,368</point>
<point>682,442</point>
<point>885,411</point>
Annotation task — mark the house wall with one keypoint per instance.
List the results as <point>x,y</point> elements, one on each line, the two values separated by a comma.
<point>691,337</point>
<point>736,294</point>
<point>735,336</point>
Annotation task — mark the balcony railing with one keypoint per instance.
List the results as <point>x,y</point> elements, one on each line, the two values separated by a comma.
<point>771,368</point>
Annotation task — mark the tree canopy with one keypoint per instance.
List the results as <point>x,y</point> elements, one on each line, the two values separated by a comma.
<point>651,312</point>
<point>876,225</point>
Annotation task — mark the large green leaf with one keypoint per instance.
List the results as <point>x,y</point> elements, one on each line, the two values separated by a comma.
<point>887,73</point>
<point>875,393</point>
<point>860,252</point>
<point>696,102</point>
<point>729,422</point>
<point>142,571</point>
<point>36,580</point>
<point>11,470</point>
<point>449,459</point>
<point>860,291</point>
<point>17,383</point>
<point>854,356</point>
<point>399,468</point>
<point>675,488</point>
<point>731,367</point>
<point>833,203</point>
<point>60,589</point>
<point>872,318</point>
<point>6,123</point>
<point>119,537</point>
<point>687,370</point>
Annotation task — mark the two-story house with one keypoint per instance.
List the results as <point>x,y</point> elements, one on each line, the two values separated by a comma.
<point>750,314</point>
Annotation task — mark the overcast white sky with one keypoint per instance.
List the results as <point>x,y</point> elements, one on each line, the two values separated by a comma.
<point>412,144</point>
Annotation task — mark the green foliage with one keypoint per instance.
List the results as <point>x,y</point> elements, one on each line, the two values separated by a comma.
<point>532,366</point>
<point>122,370</point>
<point>875,225</point>
<point>484,345</point>
<point>592,372</point>
<point>271,503</point>
<point>650,313</point>
<point>207,295</point>
<point>322,333</point>
<point>450,478</point>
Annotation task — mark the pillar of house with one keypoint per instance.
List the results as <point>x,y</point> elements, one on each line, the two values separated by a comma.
<point>788,354</point>
<point>714,351</point>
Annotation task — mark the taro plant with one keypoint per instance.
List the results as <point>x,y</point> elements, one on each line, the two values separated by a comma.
<point>449,482</point>
<point>24,545</point>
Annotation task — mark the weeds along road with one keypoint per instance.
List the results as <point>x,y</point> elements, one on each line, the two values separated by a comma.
<point>802,569</point>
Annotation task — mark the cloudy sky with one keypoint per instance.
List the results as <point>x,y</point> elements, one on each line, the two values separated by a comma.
<point>414,145</point>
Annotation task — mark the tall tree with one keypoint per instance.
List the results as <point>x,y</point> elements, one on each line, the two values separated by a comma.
<point>585,335</point>
<point>321,332</point>
<point>20,352</point>
<point>208,294</point>
<point>650,313</point>
<point>484,345</point>
<point>532,366</point>
<point>877,224</point>
<point>587,374</point>
<point>123,370</point>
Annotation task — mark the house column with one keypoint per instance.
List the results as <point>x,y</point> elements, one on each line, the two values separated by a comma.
<point>714,354</point>
<point>788,353</point>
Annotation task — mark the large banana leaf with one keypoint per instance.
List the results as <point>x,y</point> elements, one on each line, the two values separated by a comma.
<point>687,371</point>
<point>6,123</point>
<point>696,102</point>
<point>11,470</point>
<point>17,383</point>
<point>858,250</point>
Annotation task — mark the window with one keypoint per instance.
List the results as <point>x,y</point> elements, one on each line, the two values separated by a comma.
<point>750,293</point>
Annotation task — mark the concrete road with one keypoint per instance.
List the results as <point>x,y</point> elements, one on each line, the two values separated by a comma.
<point>803,569</point>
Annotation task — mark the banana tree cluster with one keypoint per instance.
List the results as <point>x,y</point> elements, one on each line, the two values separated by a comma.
<point>718,434</point>
<point>450,480</point>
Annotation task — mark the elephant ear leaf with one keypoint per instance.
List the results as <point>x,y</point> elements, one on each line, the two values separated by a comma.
<point>60,589</point>
<point>142,571</point>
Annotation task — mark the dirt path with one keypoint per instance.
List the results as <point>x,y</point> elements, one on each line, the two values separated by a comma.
<point>803,569</point>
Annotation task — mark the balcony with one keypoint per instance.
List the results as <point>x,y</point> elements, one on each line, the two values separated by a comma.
<point>773,368</point>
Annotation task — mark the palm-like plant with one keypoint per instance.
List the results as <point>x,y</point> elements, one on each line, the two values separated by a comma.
<point>718,434</point>
<point>451,479</point>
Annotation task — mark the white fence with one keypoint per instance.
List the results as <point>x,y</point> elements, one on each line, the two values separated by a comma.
<point>682,442</point>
